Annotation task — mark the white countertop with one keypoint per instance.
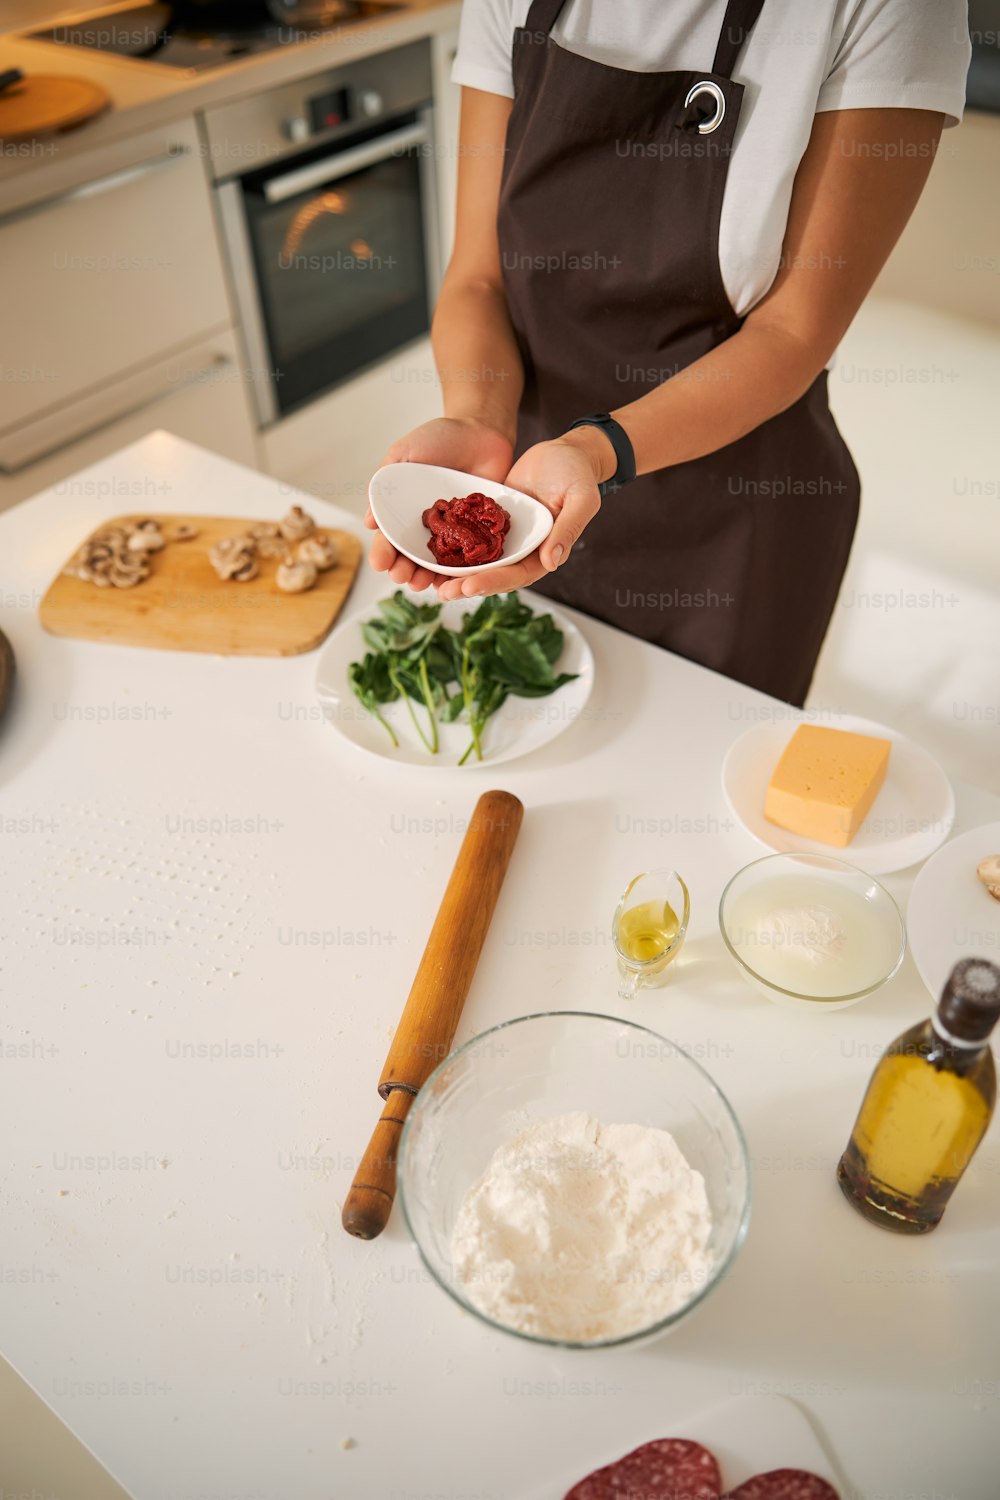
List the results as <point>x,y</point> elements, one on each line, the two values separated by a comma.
<point>193,1309</point>
<point>145,95</point>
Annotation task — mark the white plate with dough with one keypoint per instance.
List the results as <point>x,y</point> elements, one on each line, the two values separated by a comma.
<point>951,914</point>
<point>912,814</point>
<point>520,726</point>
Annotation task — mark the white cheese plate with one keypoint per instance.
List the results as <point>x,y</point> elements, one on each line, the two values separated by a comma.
<point>748,1436</point>
<point>951,914</point>
<point>520,726</point>
<point>912,814</point>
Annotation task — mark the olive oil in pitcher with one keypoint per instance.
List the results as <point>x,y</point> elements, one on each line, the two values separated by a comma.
<point>927,1108</point>
<point>648,929</point>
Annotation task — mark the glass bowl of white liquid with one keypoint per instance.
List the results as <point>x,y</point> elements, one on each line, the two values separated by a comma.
<point>811,931</point>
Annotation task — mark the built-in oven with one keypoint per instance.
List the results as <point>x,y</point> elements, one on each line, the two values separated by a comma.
<point>328,210</point>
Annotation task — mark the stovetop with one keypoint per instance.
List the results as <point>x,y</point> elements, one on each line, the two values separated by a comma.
<point>180,36</point>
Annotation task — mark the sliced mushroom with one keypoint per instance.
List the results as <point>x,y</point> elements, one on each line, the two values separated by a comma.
<point>127,578</point>
<point>319,549</point>
<point>93,562</point>
<point>297,524</point>
<point>111,536</point>
<point>128,565</point>
<point>235,557</point>
<point>146,536</point>
<point>267,535</point>
<point>183,533</point>
<point>988,871</point>
<point>118,556</point>
<point>87,575</point>
<point>295,575</point>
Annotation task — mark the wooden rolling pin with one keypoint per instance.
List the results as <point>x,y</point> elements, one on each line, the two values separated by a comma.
<point>430,1017</point>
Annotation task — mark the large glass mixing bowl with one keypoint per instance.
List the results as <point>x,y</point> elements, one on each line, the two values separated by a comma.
<point>556,1063</point>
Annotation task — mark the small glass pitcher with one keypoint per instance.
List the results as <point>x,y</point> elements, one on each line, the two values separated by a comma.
<point>650,922</point>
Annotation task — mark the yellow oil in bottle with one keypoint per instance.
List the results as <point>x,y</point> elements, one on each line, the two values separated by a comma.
<point>646,931</point>
<point>927,1108</point>
<point>919,1127</point>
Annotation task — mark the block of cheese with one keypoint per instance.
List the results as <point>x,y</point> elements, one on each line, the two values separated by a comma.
<point>825,783</point>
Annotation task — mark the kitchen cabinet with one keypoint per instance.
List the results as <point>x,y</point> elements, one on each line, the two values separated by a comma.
<point>120,292</point>
<point>110,274</point>
<point>198,393</point>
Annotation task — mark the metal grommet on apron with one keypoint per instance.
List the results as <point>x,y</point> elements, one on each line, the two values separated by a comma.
<point>706,86</point>
<point>608,223</point>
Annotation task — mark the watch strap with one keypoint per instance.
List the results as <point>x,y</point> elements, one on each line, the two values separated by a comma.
<point>620,442</point>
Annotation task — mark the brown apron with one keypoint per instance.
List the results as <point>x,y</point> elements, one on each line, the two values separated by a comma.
<point>609,237</point>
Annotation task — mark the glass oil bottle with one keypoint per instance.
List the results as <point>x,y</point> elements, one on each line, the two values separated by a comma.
<point>927,1108</point>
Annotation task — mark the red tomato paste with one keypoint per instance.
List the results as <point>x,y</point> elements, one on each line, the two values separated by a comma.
<point>466,532</point>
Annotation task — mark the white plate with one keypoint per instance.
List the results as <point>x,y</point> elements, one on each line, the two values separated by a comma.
<point>951,914</point>
<point>748,1436</point>
<point>400,493</point>
<point>522,725</point>
<point>910,817</point>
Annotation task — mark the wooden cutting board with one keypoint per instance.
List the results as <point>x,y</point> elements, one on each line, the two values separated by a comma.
<point>40,104</point>
<point>185,606</point>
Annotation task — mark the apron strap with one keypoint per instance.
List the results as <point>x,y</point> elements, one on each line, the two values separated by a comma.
<point>543,13</point>
<point>741,17</point>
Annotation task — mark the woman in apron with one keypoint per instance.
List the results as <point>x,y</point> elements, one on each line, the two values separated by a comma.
<point>587,342</point>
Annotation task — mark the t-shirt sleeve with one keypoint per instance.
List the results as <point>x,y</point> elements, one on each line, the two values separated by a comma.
<point>485,37</point>
<point>901,54</point>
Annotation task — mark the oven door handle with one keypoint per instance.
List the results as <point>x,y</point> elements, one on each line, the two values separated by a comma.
<point>355,159</point>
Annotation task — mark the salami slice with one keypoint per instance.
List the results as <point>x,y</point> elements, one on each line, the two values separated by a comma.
<point>668,1469</point>
<point>784,1484</point>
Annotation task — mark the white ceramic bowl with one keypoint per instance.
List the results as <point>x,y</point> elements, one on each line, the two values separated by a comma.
<point>539,1066</point>
<point>400,493</point>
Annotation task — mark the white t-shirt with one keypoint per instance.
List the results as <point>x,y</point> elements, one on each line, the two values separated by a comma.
<point>803,56</point>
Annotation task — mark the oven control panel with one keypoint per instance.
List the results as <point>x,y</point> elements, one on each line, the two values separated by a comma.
<point>264,127</point>
<point>327,111</point>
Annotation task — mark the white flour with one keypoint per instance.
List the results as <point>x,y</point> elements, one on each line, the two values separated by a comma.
<point>813,933</point>
<point>583,1231</point>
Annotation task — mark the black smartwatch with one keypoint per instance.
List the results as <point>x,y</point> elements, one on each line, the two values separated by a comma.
<point>620,442</point>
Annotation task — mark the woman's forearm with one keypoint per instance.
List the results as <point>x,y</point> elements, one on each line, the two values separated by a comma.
<point>721,397</point>
<point>478,361</point>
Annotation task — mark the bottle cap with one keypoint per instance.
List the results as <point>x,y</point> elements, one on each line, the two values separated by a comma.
<point>969,1007</point>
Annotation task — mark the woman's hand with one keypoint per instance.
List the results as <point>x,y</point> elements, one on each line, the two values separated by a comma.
<point>454,443</point>
<point>563,474</point>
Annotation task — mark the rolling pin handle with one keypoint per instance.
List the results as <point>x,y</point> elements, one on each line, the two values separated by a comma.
<point>369,1203</point>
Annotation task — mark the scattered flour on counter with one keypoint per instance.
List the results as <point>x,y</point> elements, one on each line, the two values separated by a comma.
<point>582,1231</point>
